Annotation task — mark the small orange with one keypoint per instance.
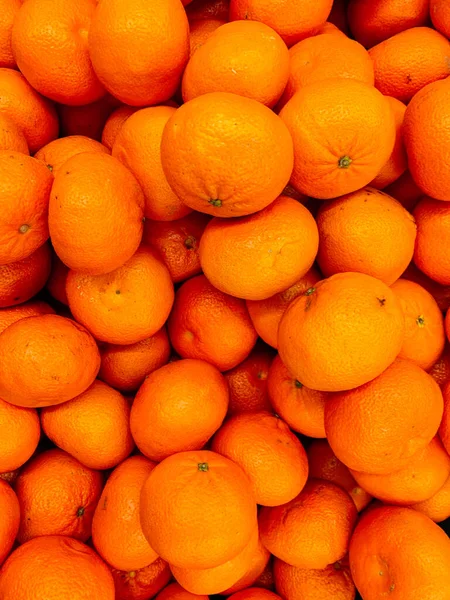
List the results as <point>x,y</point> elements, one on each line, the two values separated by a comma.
<point>34,308</point>
<point>441,293</point>
<point>437,508</point>
<point>440,16</point>
<point>440,371</point>
<point>88,120</point>
<point>444,429</point>
<point>405,190</point>
<point>255,594</point>
<point>433,227</point>
<point>9,525</point>
<point>56,283</point>
<point>207,9</point>
<point>255,570</point>
<point>20,433</point>
<point>55,154</point>
<point>8,10</point>
<point>174,591</point>
<point>11,135</point>
<point>141,584</point>
<point>201,30</point>
<point>114,124</point>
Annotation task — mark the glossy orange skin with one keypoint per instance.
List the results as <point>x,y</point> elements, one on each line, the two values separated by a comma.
<point>9,526</point>
<point>12,136</point>
<point>21,432</point>
<point>8,10</point>
<point>433,226</point>
<point>55,154</point>
<point>437,508</point>
<point>46,360</point>
<point>143,583</point>
<point>114,124</point>
<point>57,496</point>
<point>444,429</point>
<point>174,591</point>
<point>201,30</point>
<point>33,308</point>
<point>214,522</point>
<point>50,563</point>
<point>440,16</point>
<point>255,594</point>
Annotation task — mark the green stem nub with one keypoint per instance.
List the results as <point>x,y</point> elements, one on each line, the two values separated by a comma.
<point>344,162</point>
<point>215,202</point>
<point>203,467</point>
<point>298,384</point>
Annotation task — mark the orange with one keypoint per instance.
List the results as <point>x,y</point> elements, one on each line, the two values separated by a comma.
<point>95,201</point>
<point>292,22</point>
<point>373,21</point>
<point>178,408</point>
<point>116,529</point>
<point>127,305</point>
<point>174,591</point>
<point>49,42</point>
<point>402,409</point>
<point>20,433</point>
<point>209,325</point>
<point>440,16</point>
<point>12,136</point>
<point>255,594</point>
<point>9,526</point>
<point>255,570</point>
<point>142,583</point>
<point>137,146</point>
<point>178,243</point>
<point>441,293</point>
<point>343,132</point>
<point>88,120</point>
<point>114,124</point>
<point>408,61</point>
<point>57,496</point>
<point>332,583</point>
<point>93,427</point>
<point>437,508</point>
<point>351,311</point>
<point>242,57</point>
<point>34,115</point>
<point>55,154</point>
<point>247,383</point>
<point>207,9</point>
<point>266,314</point>
<point>405,190</point>
<point>314,529</point>
<point>257,256</point>
<point>433,227</point>
<point>156,37</point>
<point>46,360</point>
<point>226,155</point>
<point>55,564</point>
<point>56,283</point>
<point>268,452</point>
<point>424,335</point>
<point>366,232</point>
<point>324,464</point>
<point>201,30</point>
<point>444,429</point>
<point>34,308</point>
<point>302,408</point>
<point>326,56</point>
<point>420,569</point>
<point>9,10</point>
<point>440,371</point>
<point>214,521</point>
<point>126,367</point>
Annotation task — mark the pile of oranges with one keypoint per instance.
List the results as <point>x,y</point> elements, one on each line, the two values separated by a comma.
<point>224,299</point>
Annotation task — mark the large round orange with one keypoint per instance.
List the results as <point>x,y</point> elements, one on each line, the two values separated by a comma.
<point>94,427</point>
<point>126,306</point>
<point>116,528</point>
<point>34,308</point>
<point>12,136</point>
<point>348,310</point>
<point>46,360</point>
<point>303,533</point>
<point>343,132</point>
<point>174,591</point>
<point>402,410</point>
<point>433,228</point>
<point>141,584</point>
<point>292,22</point>
<point>8,11</point>
<point>440,16</point>
<point>88,120</point>
<point>263,254</point>
<point>55,154</point>
<point>216,518</point>
<point>208,9</point>
<point>20,434</point>
<point>57,496</point>
<point>378,568</point>
<point>95,202</point>
<point>34,115</point>
<point>366,232</point>
<point>444,429</point>
<point>179,407</point>
<point>242,57</point>
<point>226,155</point>
<point>50,45</point>
<point>9,524</point>
<point>269,453</point>
<point>302,408</point>
<point>207,324</point>
<point>114,124</point>
<point>255,570</point>
<point>201,30</point>
<point>156,37</point>
<point>437,508</point>
<point>55,564</point>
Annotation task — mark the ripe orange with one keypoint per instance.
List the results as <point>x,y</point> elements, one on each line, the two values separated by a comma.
<point>343,132</point>
<point>54,563</point>
<point>174,591</point>
<point>34,308</point>
<point>367,232</point>
<point>178,408</point>
<point>143,583</point>
<point>226,155</point>
<point>255,594</point>
<point>114,124</point>
<point>440,371</point>
<point>433,226</point>
<point>156,37</point>
<point>444,429</point>
<point>207,9</point>
<point>11,135</point>
<point>402,409</point>
<point>8,11</point>
<point>437,508</point>
<point>57,496</point>
<point>95,201</point>
<point>210,325</point>
<point>46,360</point>
<point>303,533</point>
<point>405,190</point>
<point>255,570</point>
<point>201,30</point>
<point>257,256</point>
<point>93,427</point>
<point>440,16</point>
<point>216,518</point>
<point>55,154</point>
<point>20,433</point>
<point>127,305</point>
<point>9,525</point>
<point>349,310</point>
<point>88,120</point>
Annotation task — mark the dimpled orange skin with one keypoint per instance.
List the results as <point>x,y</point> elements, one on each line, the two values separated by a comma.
<point>215,520</point>
<point>314,529</point>
<point>226,155</point>
<point>141,584</point>
<point>207,324</point>
<point>433,228</point>
<point>343,132</point>
<point>55,564</point>
<point>201,30</point>
<point>33,308</point>
<point>444,429</point>
<point>156,36</point>
<point>114,124</point>
<point>379,569</point>
<point>174,591</point>
<point>95,202</point>
<point>46,360</point>
<point>116,529</point>
<point>378,427</point>
<point>10,509</point>
<point>21,432</point>
<point>12,136</point>
<point>437,508</point>
<point>341,333</point>
<point>260,255</point>
<point>9,10</point>
<point>55,154</point>
<point>259,563</point>
<point>57,496</point>
<point>440,16</point>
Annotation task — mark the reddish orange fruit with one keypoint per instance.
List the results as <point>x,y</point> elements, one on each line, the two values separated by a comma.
<point>11,135</point>
<point>201,30</point>
<point>20,434</point>
<point>208,9</point>
<point>141,584</point>
<point>444,429</point>
<point>440,16</point>
<point>114,124</point>
<point>56,283</point>
<point>441,293</point>
<point>9,10</point>
<point>440,371</point>
<point>9,524</point>
<point>405,190</point>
